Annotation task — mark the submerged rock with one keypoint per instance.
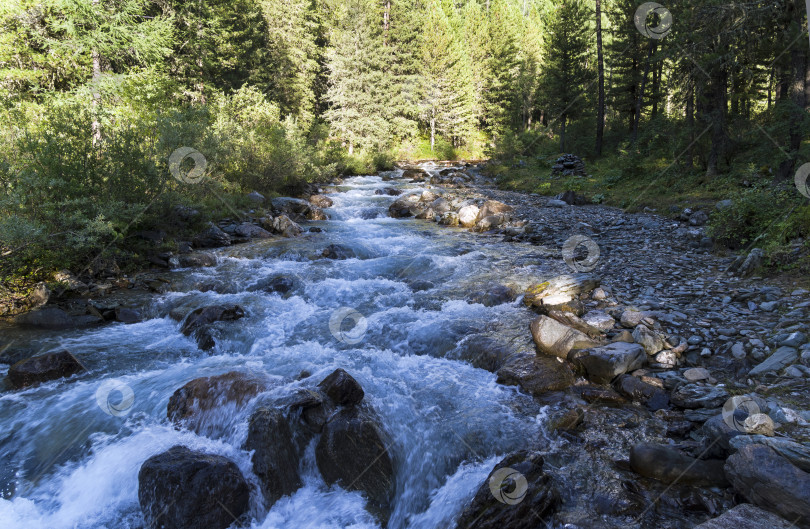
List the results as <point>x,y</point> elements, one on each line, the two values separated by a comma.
<point>275,455</point>
<point>354,453</point>
<point>181,488</point>
<point>517,494</point>
<point>43,368</point>
<point>199,320</point>
<point>671,466</point>
<point>338,252</point>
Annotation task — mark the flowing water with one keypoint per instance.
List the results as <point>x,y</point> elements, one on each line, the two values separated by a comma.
<point>68,463</point>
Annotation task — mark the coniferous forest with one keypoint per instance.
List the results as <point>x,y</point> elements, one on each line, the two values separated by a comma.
<point>96,94</point>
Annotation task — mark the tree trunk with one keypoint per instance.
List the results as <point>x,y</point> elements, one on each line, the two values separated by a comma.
<point>600,64</point>
<point>656,87</point>
<point>432,131</point>
<point>562,134</point>
<point>690,125</point>
<point>96,57</point>
<point>718,118</point>
<point>798,56</point>
<point>640,98</point>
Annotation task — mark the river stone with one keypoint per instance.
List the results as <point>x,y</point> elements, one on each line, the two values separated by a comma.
<point>561,289</point>
<point>668,465</point>
<point>449,219</point>
<point>494,295</point>
<point>636,389</point>
<point>251,231</point>
<point>213,237</point>
<point>767,479</point>
<point>389,191</point>
<point>696,374</point>
<point>632,318</point>
<point>126,315</point>
<point>294,208</point>
<point>695,395</point>
<point>648,339</point>
<point>746,516</point>
<point>190,405</point>
<point>798,454</point>
<point>468,215</point>
<point>185,489</point>
<point>521,504</point>
<point>43,368</point>
<point>283,285</point>
<point>320,201</point>
<point>338,252</point>
<point>286,227</point>
<point>440,206</point>
<point>536,374</point>
<point>720,433</point>
<point>342,388</point>
<point>488,223</point>
<point>197,260</point>
<point>47,318</point>
<point>275,457</point>
<point>212,313</point>
<point>353,452</point>
<point>599,319</point>
<point>493,207</point>
<point>780,359</point>
<point>597,395</point>
<point>486,353</point>
<point>553,338</point>
<point>401,207</point>
<point>605,363</point>
<point>759,424</point>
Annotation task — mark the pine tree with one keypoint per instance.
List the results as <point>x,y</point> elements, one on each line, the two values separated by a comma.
<point>566,74</point>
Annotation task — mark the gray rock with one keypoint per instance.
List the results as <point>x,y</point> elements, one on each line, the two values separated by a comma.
<point>795,339</point>
<point>561,289</point>
<point>536,374</point>
<point>553,338</point>
<point>599,319</point>
<point>769,480</point>
<point>554,203</point>
<point>797,454</point>
<point>603,364</point>
<point>275,458</point>
<point>780,359</point>
<point>43,368</point>
<point>746,516</point>
<point>342,388</point>
<point>653,397</point>
<point>738,351</point>
<point>648,339</point>
<point>181,488</point>
<point>667,464</point>
<point>256,197</point>
<point>699,396</point>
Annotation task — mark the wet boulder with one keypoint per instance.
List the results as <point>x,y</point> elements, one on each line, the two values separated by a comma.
<point>536,374</point>
<point>275,454</point>
<point>668,465</point>
<point>192,405</point>
<point>488,223</point>
<point>746,516</point>
<point>199,321</point>
<point>561,289</point>
<point>127,315</point>
<point>42,368</point>
<point>338,252</point>
<point>768,480</point>
<point>321,201</point>
<point>654,397</point>
<point>283,285</point>
<point>197,260</point>
<point>517,494</point>
<point>186,489</point>
<point>494,295</point>
<point>342,388</point>
<point>401,207</point>
<point>449,218</point>
<point>603,364</point>
<point>353,452</point>
<point>415,174</point>
<point>388,191</point>
<point>294,208</point>
<point>54,318</point>
<point>649,339</point>
<point>213,237</point>
<point>553,338</point>
<point>317,214</point>
<point>697,395</point>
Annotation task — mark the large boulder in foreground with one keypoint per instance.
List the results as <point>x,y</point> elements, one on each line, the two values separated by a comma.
<point>561,289</point>
<point>186,489</point>
<point>553,338</point>
<point>43,368</point>
<point>275,455</point>
<point>767,479</point>
<point>353,452</point>
<point>526,497</point>
<point>746,516</point>
<point>536,374</point>
<point>667,464</point>
<point>195,404</point>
